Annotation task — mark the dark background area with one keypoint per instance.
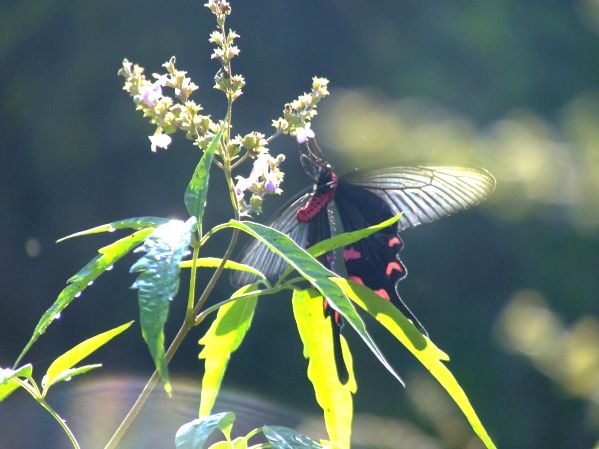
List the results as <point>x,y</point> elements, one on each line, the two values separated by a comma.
<point>508,289</point>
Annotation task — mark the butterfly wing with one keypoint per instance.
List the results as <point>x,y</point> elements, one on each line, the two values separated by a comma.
<point>422,195</point>
<point>425,194</point>
<point>260,257</point>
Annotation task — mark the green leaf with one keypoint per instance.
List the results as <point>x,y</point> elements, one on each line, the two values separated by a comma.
<point>224,336</point>
<point>109,255</point>
<point>334,398</point>
<point>285,438</point>
<point>8,379</point>
<point>347,238</point>
<point>214,262</point>
<point>419,345</point>
<point>194,434</point>
<point>158,283</point>
<point>135,223</point>
<point>56,370</point>
<point>66,375</point>
<point>313,271</point>
<point>197,190</point>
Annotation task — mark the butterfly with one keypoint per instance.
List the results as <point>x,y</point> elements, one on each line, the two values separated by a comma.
<point>358,200</point>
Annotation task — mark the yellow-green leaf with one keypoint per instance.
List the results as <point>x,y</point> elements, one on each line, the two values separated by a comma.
<point>214,262</point>
<point>78,353</point>
<point>222,339</point>
<point>419,345</point>
<point>334,398</point>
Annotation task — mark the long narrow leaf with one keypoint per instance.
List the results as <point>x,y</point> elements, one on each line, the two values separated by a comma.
<point>419,345</point>
<point>74,355</point>
<point>224,336</point>
<point>317,275</point>
<point>334,398</point>
<point>197,189</point>
<point>158,283</point>
<point>109,255</point>
<point>347,238</point>
<point>214,262</point>
<point>135,223</point>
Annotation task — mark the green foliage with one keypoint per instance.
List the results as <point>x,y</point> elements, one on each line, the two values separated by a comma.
<point>135,223</point>
<point>197,189</point>
<point>224,337</point>
<point>62,368</point>
<point>158,282</point>
<point>9,382</point>
<point>334,398</point>
<point>109,255</point>
<point>419,345</point>
<point>215,262</point>
<point>312,271</point>
<point>284,438</point>
<point>167,242</point>
<point>194,434</point>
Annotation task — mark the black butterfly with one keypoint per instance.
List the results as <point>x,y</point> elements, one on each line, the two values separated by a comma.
<point>359,200</point>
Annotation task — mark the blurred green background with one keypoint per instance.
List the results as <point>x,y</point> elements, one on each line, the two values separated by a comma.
<point>509,289</point>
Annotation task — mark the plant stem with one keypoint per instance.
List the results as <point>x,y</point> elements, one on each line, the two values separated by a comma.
<point>147,390</point>
<point>34,391</point>
<point>61,422</point>
<point>192,283</point>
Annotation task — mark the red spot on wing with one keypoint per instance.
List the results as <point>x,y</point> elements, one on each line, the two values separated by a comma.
<point>337,317</point>
<point>393,266</point>
<point>356,279</point>
<point>394,241</point>
<point>351,254</point>
<point>383,293</point>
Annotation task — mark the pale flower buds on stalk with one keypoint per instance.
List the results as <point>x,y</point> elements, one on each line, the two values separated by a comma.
<point>165,100</point>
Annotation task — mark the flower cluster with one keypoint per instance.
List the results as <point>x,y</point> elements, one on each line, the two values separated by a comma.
<point>175,111</point>
<point>298,114</point>
<point>168,113</point>
<point>225,51</point>
<point>265,179</point>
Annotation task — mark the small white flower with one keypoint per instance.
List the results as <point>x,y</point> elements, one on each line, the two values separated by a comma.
<point>303,134</point>
<point>150,94</point>
<point>160,141</point>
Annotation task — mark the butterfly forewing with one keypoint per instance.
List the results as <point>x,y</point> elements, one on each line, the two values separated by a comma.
<point>425,194</point>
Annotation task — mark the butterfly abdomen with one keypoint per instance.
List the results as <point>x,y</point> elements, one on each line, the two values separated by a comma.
<point>324,192</point>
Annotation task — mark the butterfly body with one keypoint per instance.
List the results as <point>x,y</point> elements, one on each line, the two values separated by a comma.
<point>362,199</point>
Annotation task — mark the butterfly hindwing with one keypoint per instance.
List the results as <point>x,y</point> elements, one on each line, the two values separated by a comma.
<point>373,261</point>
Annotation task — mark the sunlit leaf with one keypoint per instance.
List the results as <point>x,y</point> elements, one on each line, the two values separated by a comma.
<point>214,262</point>
<point>158,283</point>
<point>109,255</point>
<point>74,355</point>
<point>135,223</point>
<point>334,398</point>
<point>419,345</point>
<point>347,238</point>
<point>284,438</point>
<point>224,336</point>
<point>8,379</point>
<point>313,271</point>
<point>197,189</point>
<point>66,375</point>
<point>195,434</point>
